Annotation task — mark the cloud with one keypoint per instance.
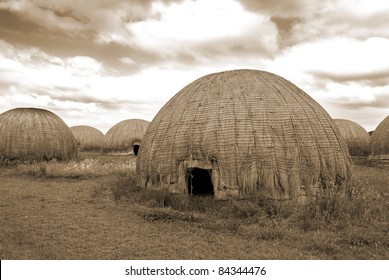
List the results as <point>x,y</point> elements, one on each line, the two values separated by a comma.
<point>367,111</point>
<point>379,101</point>
<point>282,8</point>
<point>373,78</point>
<point>90,59</point>
<point>198,30</point>
<point>336,59</point>
<point>305,21</point>
<point>76,28</point>
<point>347,76</point>
<point>79,88</point>
<point>145,33</point>
<point>340,19</point>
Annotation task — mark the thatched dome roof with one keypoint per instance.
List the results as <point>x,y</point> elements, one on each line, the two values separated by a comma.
<point>243,133</point>
<point>32,134</point>
<point>357,138</point>
<point>123,135</point>
<point>88,138</point>
<point>380,139</point>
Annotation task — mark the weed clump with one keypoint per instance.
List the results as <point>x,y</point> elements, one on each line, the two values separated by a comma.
<point>362,205</point>
<point>123,186</point>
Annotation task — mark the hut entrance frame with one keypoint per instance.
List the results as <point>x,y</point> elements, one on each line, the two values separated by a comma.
<point>199,181</point>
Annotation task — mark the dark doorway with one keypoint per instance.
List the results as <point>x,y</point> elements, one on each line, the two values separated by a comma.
<point>199,181</point>
<point>135,149</point>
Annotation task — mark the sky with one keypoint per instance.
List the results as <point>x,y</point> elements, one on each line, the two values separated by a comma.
<point>98,62</point>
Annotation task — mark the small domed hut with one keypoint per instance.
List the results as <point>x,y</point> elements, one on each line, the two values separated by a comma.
<point>357,138</point>
<point>125,136</point>
<point>88,138</point>
<point>32,134</point>
<point>379,146</point>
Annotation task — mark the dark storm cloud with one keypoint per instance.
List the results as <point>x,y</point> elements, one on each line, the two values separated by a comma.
<point>60,30</point>
<point>285,27</point>
<point>286,15</point>
<point>373,78</point>
<point>75,28</point>
<point>285,24</point>
<point>61,44</point>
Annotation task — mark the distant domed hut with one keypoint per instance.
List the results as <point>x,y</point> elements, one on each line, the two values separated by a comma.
<point>88,138</point>
<point>243,133</point>
<point>357,138</point>
<point>125,136</point>
<point>379,147</point>
<point>31,134</point>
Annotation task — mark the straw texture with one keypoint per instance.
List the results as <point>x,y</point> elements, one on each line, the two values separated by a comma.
<point>380,143</point>
<point>123,135</point>
<point>88,138</point>
<point>32,134</point>
<point>258,133</point>
<point>357,138</point>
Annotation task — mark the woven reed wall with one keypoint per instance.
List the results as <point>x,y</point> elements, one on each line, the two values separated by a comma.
<point>259,133</point>
<point>31,134</point>
<point>124,134</point>
<point>380,139</point>
<point>357,138</point>
<point>88,138</point>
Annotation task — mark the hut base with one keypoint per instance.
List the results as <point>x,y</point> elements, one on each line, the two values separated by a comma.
<point>202,178</point>
<point>379,160</point>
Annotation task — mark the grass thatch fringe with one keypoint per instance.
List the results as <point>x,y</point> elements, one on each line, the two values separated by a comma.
<point>256,132</point>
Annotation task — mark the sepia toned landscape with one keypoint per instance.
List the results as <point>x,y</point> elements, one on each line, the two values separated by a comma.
<point>90,208</point>
<point>194,129</point>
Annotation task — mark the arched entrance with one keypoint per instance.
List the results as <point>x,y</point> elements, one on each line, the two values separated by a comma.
<point>199,182</point>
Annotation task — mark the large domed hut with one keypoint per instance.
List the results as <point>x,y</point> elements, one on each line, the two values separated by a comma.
<point>379,146</point>
<point>32,134</point>
<point>125,136</point>
<point>88,138</point>
<point>357,138</point>
<point>243,133</point>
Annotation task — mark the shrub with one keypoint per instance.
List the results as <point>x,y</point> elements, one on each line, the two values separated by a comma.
<point>361,206</point>
<point>124,185</point>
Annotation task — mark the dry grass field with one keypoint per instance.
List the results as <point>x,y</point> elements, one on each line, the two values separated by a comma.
<point>91,209</point>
